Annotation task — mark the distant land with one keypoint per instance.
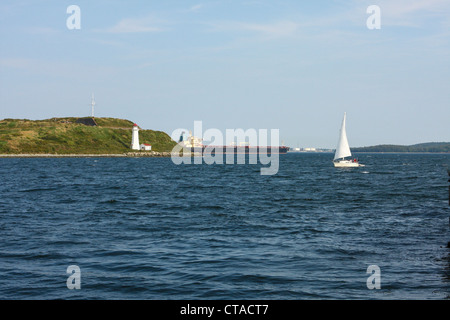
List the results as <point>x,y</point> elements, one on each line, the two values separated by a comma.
<point>429,147</point>
<point>432,147</point>
<point>108,136</point>
<point>75,136</point>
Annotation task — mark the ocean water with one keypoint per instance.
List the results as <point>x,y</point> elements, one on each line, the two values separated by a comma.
<point>145,228</point>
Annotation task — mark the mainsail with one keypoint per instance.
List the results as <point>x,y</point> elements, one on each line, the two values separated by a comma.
<point>343,149</point>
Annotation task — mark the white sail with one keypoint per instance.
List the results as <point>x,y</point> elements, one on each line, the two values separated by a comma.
<point>342,149</point>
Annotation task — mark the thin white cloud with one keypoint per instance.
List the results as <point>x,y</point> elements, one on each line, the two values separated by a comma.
<point>279,29</point>
<point>270,30</point>
<point>405,7</point>
<point>134,25</point>
<point>108,42</point>
<point>196,7</point>
<point>45,67</point>
<point>16,63</point>
<point>413,13</point>
<point>42,31</point>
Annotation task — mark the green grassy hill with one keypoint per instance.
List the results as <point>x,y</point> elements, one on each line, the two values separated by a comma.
<point>71,136</point>
<point>421,147</point>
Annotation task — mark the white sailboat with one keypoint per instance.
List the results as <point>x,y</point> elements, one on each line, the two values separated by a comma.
<point>343,151</point>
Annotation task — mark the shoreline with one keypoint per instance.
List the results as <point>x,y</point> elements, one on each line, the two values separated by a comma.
<point>153,154</point>
<point>371,152</point>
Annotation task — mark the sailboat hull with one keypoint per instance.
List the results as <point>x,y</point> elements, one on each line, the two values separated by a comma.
<point>347,164</point>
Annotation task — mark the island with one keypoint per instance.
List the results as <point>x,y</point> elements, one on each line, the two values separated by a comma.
<point>429,147</point>
<point>71,136</point>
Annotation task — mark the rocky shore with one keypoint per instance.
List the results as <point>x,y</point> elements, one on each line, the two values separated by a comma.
<point>51,155</point>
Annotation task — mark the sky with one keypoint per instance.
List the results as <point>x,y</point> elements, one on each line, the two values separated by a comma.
<point>296,66</point>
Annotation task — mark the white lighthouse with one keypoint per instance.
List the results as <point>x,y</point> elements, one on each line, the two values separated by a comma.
<point>135,138</point>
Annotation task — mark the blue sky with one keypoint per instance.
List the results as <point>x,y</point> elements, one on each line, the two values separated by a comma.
<point>296,66</point>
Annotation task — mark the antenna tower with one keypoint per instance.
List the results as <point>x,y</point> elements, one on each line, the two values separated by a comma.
<point>92,106</point>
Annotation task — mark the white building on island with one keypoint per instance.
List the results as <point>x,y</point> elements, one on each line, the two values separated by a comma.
<point>146,147</point>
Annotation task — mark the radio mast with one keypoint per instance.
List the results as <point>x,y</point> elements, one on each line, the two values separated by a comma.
<point>92,106</point>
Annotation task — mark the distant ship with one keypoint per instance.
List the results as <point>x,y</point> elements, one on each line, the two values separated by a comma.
<point>196,145</point>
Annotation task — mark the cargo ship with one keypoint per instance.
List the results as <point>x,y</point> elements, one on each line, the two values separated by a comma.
<point>195,145</point>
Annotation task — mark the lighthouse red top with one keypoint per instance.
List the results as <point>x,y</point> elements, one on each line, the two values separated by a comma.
<point>135,125</point>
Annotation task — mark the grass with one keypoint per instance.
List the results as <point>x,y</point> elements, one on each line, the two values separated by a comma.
<point>65,136</point>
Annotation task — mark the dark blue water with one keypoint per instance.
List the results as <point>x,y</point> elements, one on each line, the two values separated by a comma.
<point>144,228</point>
